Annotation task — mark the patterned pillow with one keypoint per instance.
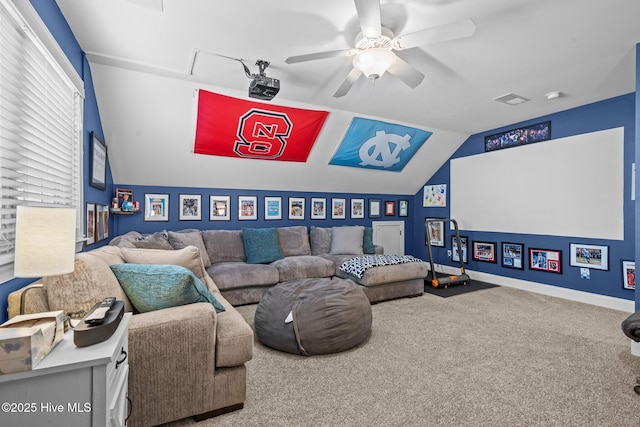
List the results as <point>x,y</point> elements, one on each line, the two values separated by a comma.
<point>156,286</point>
<point>261,245</point>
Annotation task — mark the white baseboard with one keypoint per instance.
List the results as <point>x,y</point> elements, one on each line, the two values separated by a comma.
<point>619,304</point>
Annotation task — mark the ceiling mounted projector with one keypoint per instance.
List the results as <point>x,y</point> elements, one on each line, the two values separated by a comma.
<point>261,86</point>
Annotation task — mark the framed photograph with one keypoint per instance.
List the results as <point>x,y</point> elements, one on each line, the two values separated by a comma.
<point>628,274</point>
<point>513,255</point>
<point>296,207</point>
<point>90,216</point>
<point>545,260</point>
<point>318,208</point>
<point>338,208</point>
<point>389,208</point>
<point>105,222</point>
<point>273,208</point>
<point>98,159</point>
<point>247,207</point>
<point>403,208</point>
<point>484,251</point>
<point>589,256</point>
<point>434,232</point>
<point>190,207</point>
<point>464,248</point>
<point>156,207</point>
<point>357,208</point>
<point>219,208</point>
<point>99,223</point>
<point>374,208</point>
<point>125,199</point>
<point>520,136</point>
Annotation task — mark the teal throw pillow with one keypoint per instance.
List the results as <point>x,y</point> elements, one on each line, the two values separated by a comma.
<point>261,245</point>
<point>156,286</point>
<point>367,244</point>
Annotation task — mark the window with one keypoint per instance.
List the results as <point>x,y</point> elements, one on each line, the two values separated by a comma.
<point>41,102</point>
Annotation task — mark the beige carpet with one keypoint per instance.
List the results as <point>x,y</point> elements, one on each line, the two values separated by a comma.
<point>495,357</point>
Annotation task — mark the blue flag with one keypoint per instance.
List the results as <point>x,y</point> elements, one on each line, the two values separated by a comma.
<point>373,144</point>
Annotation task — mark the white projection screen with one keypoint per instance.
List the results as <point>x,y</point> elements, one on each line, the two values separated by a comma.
<point>571,186</point>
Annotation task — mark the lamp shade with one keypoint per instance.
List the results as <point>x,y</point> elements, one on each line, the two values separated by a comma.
<point>374,62</point>
<point>45,241</point>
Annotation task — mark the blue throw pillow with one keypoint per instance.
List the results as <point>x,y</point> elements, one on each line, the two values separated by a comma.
<point>156,286</point>
<point>261,245</point>
<point>367,244</point>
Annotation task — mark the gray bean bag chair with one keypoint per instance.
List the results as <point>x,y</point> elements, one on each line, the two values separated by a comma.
<point>314,316</point>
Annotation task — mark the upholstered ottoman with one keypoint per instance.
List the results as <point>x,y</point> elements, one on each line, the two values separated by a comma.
<point>386,282</point>
<point>314,316</point>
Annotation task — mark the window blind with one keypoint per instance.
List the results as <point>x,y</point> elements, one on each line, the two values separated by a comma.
<point>40,125</point>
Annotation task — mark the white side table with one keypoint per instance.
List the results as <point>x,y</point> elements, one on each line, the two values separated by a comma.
<point>72,386</point>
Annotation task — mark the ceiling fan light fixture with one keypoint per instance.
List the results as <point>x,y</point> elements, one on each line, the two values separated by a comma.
<point>374,62</point>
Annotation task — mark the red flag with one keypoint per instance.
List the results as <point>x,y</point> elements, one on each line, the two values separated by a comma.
<point>234,127</point>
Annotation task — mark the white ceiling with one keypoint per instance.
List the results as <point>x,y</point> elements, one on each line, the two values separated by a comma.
<point>141,54</point>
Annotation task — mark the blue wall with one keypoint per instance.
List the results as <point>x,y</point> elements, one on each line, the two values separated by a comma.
<point>125,223</point>
<point>612,113</point>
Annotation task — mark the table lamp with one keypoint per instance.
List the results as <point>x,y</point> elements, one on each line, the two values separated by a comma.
<point>45,242</point>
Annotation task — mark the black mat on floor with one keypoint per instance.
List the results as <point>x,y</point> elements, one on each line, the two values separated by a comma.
<point>453,290</point>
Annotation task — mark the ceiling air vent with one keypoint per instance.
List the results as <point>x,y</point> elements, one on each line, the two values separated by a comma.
<point>511,99</point>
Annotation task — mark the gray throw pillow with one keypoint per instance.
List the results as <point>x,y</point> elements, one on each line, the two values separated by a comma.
<point>347,240</point>
<point>158,240</point>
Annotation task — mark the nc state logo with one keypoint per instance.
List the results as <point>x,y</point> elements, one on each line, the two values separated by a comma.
<point>262,134</point>
<point>383,150</point>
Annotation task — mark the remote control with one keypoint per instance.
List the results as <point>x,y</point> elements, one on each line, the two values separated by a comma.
<point>99,311</point>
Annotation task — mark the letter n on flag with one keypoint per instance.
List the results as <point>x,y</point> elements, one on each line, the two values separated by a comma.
<point>373,144</point>
<point>234,127</point>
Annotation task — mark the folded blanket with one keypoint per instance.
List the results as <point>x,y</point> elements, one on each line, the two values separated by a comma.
<point>358,265</point>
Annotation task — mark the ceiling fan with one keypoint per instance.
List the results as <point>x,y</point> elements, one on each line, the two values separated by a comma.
<point>374,46</point>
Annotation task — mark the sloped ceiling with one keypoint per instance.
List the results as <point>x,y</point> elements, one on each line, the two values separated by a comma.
<point>149,57</point>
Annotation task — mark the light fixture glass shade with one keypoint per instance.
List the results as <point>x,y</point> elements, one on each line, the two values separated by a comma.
<point>374,62</point>
<point>45,241</point>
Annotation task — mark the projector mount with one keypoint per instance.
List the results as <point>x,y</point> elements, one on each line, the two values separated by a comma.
<point>261,86</point>
<point>262,65</point>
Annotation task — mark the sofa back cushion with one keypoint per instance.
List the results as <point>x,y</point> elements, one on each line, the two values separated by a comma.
<point>91,281</point>
<point>154,287</point>
<point>157,240</point>
<point>294,241</point>
<point>224,245</point>
<point>320,238</point>
<point>192,237</point>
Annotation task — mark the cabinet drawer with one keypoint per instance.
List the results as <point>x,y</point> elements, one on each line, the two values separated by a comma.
<point>115,368</point>
<point>118,408</point>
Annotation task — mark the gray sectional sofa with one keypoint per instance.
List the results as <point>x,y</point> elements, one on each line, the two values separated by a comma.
<point>245,263</point>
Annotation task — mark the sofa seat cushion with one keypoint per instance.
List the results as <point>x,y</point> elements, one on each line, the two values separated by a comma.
<point>303,267</point>
<point>385,274</point>
<point>153,287</point>
<point>90,282</point>
<point>236,275</point>
<point>234,337</point>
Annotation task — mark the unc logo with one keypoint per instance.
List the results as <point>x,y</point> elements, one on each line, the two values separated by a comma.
<point>263,134</point>
<point>383,150</point>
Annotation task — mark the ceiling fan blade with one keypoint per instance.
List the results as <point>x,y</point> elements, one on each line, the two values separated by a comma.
<point>349,81</point>
<point>369,16</point>
<point>407,73</point>
<point>441,33</point>
<point>319,55</point>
